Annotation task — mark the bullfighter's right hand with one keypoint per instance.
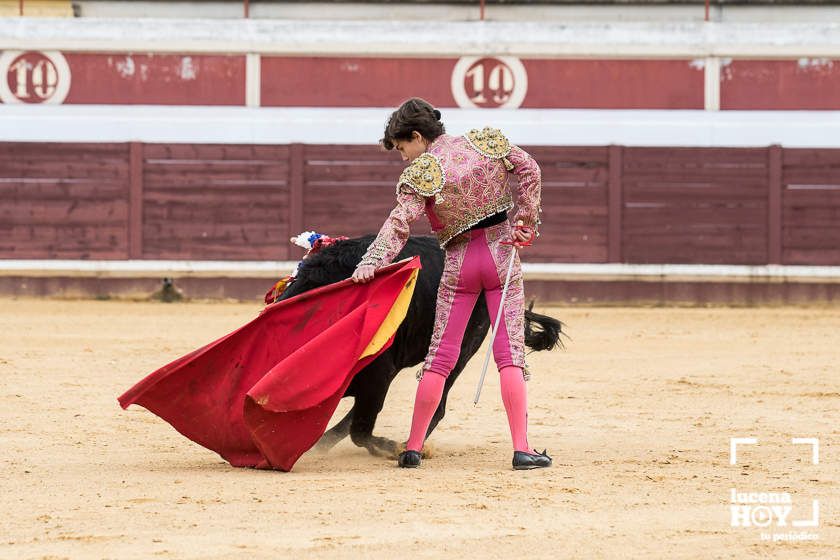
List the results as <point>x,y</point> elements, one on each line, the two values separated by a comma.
<point>522,235</point>
<point>363,273</point>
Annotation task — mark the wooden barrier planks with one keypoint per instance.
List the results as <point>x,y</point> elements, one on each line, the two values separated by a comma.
<point>63,201</point>
<point>694,205</point>
<point>574,202</point>
<point>811,206</point>
<point>210,202</point>
<point>350,190</point>
<point>242,202</point>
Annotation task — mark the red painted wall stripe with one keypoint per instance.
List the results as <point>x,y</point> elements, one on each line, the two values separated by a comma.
<point>219,80</point>
<point>156,79</point>
<point>780,84</point>
<point>614,84</point>
<point>557,83</point>
<point>354,82</point>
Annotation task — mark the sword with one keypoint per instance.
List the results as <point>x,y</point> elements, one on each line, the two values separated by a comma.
<point>499,314</point>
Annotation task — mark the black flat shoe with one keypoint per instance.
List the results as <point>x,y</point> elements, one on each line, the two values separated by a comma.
<point>524,461</point>
<point>409,459</point>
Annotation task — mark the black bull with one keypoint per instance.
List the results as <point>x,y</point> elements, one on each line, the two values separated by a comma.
<point>411,341</point>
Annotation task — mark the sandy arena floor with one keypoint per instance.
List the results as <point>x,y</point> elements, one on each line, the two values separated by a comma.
<point>637,412</point>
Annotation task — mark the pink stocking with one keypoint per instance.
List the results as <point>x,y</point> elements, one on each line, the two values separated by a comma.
<point>514,395</point>
<point>429,392</point>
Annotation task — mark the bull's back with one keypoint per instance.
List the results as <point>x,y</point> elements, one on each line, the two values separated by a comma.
<point>338,261</point>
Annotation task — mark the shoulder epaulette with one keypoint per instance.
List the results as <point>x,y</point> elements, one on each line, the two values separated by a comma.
<point>489,141</point>
<point>425,175</point>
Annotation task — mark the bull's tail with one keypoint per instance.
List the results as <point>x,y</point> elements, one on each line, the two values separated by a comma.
<point>546,335</point>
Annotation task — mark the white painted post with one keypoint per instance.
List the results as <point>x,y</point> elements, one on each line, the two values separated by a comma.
<point>712,84</point>
<point>252,80</point>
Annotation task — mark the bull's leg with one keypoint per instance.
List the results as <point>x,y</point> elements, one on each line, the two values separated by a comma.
<point>336,433</point>
<point>370,396</point>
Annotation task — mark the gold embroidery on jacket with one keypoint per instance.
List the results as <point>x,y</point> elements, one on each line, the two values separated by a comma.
<point>490,142</point>
<point>425,175</point>
<point>472,217</point>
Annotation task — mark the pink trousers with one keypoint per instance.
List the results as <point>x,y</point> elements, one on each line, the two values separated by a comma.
<point>477,261</point>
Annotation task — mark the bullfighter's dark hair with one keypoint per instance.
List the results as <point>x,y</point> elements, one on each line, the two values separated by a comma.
<point>414,114</point>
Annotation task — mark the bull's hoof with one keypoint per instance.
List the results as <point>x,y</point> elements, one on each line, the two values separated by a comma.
<point>381,447</point>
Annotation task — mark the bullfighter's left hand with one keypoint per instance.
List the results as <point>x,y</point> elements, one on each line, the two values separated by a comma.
<point>363,273</point>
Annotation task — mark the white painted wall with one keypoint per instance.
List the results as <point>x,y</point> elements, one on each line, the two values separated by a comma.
<point>425,38</point>
<point>550,127</point>
<point>699,41</point>
<point>271,269</point>
<point>443,12</point>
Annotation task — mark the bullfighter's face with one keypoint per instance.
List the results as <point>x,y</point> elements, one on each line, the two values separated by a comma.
<point>411,149</point>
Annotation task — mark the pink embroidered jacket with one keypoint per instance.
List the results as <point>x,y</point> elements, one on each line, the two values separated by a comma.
<point>458,182</point>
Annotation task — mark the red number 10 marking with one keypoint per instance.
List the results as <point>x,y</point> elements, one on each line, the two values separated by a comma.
<point>32,78</point>
<point>489,82</point>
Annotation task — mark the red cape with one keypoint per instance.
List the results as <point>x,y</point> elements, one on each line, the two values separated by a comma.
<point>262,395</point>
